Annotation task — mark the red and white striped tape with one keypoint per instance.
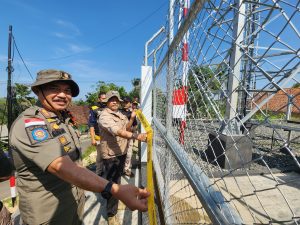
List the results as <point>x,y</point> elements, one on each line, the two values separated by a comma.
<point>180,95</point>
<point>13,192</point>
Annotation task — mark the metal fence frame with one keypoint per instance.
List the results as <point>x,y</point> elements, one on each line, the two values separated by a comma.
<point>215,204</point>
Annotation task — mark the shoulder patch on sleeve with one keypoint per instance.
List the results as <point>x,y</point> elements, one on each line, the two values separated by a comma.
<point>37,134</point>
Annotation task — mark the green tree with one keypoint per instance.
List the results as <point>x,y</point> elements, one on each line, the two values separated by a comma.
<point>101,86</point>
<point>21,90</point>
<point>3,111</point>
<point>296,85</point>
<point>209,79</point>
<point>21,98</point>
<point>135,92</point>
<point>20,101</point>
<point>79,102</point>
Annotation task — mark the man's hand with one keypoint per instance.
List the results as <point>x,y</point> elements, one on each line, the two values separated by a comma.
<point>133,197</point>
<point>133,115</point>
<point>142,137</point>
<point>94,142</point>
<point>64,168</point>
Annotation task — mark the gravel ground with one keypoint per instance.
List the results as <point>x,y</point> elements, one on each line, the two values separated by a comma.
<point>268,155</point>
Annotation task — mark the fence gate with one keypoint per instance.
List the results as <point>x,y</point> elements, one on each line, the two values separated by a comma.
<point>226,112</point>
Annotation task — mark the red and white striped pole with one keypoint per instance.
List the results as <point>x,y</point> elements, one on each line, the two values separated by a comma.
<point>185,61</point>
<point>13,193</point>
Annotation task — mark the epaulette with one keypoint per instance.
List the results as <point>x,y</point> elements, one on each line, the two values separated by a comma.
<point>45,113</point>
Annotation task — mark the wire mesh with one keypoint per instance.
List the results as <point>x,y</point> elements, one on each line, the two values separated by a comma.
<point>235,114</point>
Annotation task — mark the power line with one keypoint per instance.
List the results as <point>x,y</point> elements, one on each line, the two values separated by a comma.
<point>131,28</point>
<point>110,40</point>
<point>15,44</point>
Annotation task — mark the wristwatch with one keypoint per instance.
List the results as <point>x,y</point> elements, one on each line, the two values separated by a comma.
<point>106,193</point>
<point>134,136</point>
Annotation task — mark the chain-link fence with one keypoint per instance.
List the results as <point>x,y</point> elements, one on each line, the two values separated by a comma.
<point>226,112</point>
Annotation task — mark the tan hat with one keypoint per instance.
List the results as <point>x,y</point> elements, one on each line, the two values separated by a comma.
<point>111,94</point>
<point>50,75</point>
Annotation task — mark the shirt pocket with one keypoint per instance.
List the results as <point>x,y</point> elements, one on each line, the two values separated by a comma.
<point>114,146</point>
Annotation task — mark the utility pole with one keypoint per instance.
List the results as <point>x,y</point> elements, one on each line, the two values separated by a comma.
<point>12,179</point>
<point>9,89</point>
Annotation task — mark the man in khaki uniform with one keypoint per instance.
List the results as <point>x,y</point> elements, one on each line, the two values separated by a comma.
<point>115,133</point>
<point>46,154</point>
<point>131,116</point>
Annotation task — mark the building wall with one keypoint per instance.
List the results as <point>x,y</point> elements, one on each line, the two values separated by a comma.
<point>278,104</point>
<point>81,113</point>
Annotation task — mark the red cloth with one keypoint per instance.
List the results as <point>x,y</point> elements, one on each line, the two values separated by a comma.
<point>180,96</point>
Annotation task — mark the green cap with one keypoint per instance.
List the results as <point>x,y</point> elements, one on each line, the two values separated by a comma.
<point>50,75</point>
<point>111,94</point>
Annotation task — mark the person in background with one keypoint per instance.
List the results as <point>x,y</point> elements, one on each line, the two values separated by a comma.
<point>6,170</point>
<point>135,103</point>
<point>131,116</point>
<point>46,154</point>
<point>135,106</point>
<point>115,133</point>
<point>94,128</point>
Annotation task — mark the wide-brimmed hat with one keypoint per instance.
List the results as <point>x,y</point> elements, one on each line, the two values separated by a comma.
<point>111,94</point>
<point>50,75</point>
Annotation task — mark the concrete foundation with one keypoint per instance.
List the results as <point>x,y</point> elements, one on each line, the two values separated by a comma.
<point>230,152</point>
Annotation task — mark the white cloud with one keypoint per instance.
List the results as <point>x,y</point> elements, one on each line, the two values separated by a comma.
<point>91,72</point>
<point>70,49</point>
<point>59,52</point>
<point>60,35</point>
<point>88,72</point>
<point>69,27</point>
<point>25,6</point>
<point>77,48</point>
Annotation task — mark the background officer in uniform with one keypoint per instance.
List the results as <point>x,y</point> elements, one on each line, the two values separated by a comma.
<point>114,132</point>
<point>94,128</point>
<point>132,124</point>
<point>46,154</point>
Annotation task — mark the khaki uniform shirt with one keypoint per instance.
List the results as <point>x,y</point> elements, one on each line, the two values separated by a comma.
<point>37,138</point>
<point>111,144</point>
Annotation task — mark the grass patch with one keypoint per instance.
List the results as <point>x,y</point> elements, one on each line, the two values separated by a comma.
<point>89,150</point>
<point>270,115</point>
<point>83,128</point>
<point>8,204</point>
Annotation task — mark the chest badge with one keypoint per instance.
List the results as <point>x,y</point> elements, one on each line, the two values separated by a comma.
<point>56,130</point>
<point>50,120</point>
<point>55,126</point>
<point>67,148</point>
<point>63,140</point>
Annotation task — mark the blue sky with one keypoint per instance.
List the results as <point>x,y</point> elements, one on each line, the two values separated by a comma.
<point>93,40</point>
